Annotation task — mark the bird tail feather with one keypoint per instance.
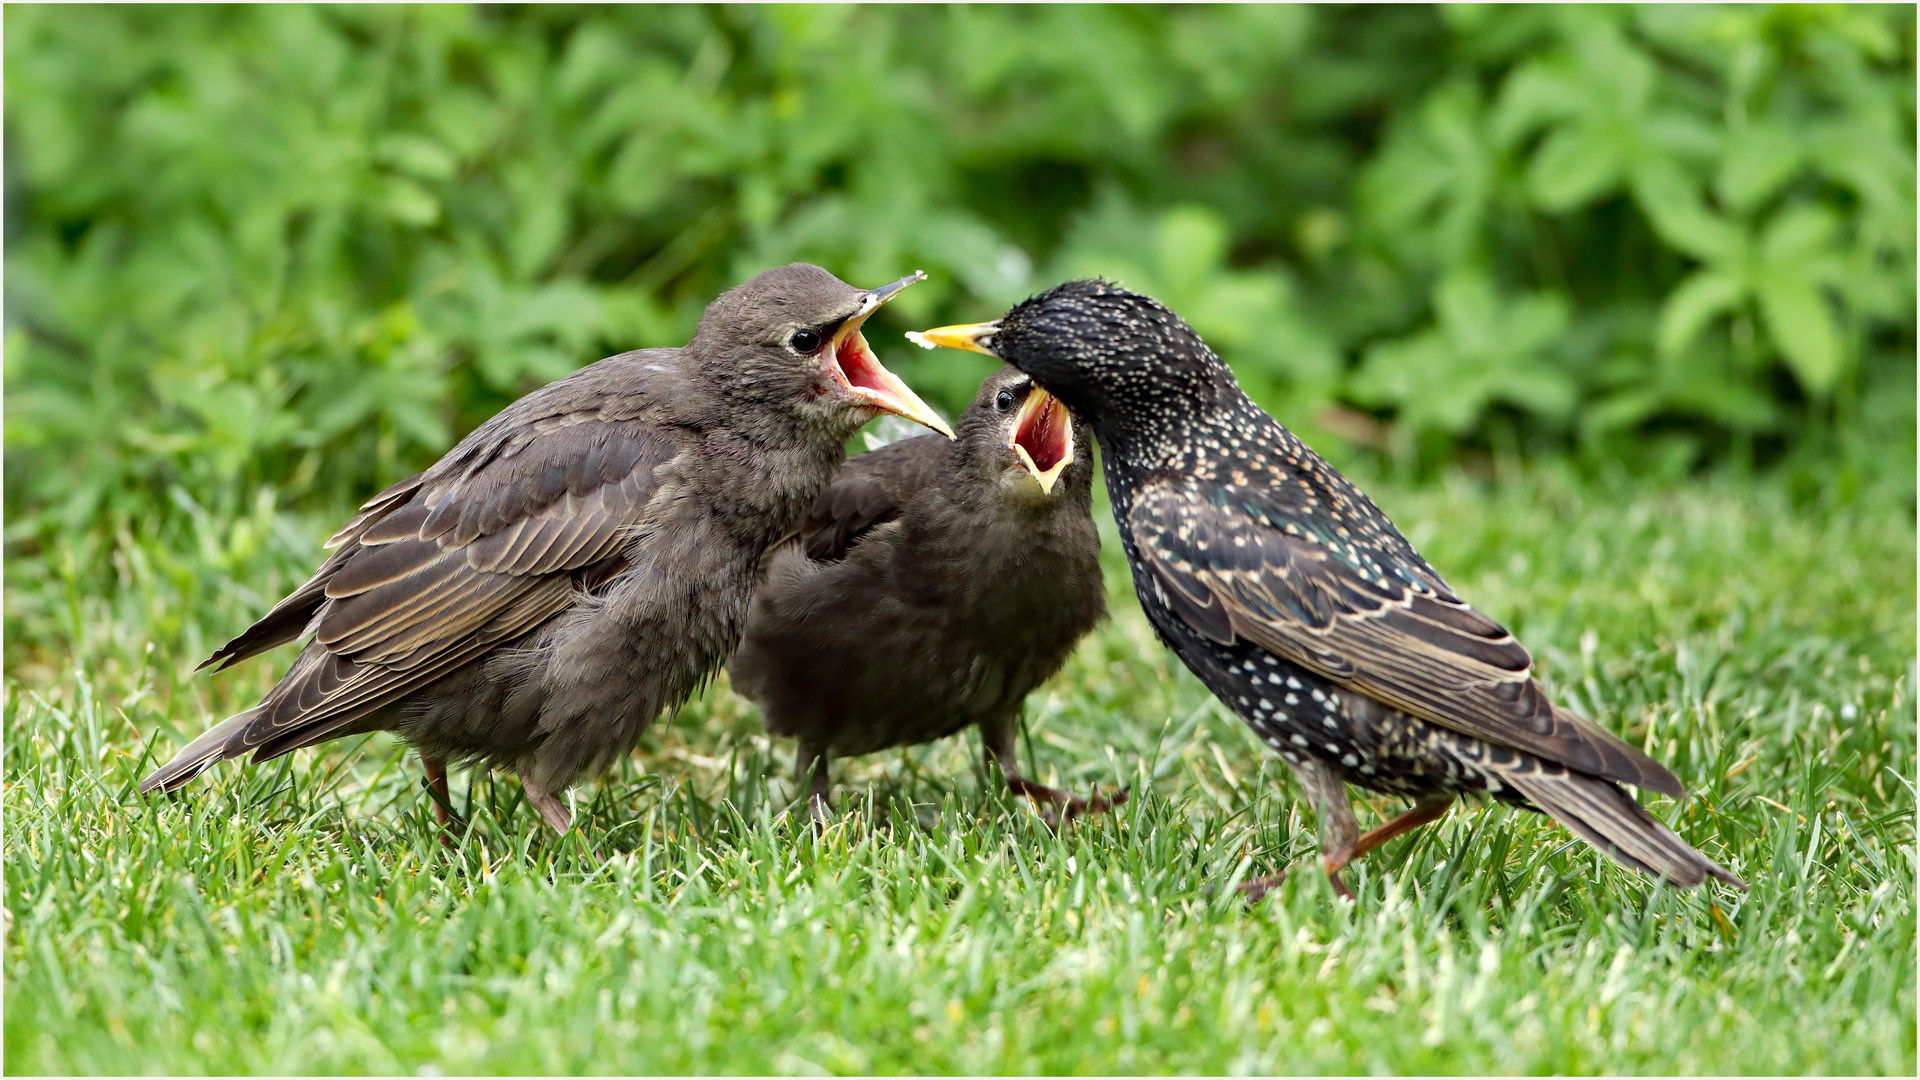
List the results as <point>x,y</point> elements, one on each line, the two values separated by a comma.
<point>220,742</point>
<point>1608,818</point>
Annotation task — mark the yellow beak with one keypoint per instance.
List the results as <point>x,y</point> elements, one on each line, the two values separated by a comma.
<point>851,363</point>
<point>973,337</point>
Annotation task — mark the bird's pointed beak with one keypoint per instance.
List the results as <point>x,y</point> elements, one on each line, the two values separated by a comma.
<point>973,337</point>
<point>852,363</point>
<point>876,297</point>
<point>1043,437</point>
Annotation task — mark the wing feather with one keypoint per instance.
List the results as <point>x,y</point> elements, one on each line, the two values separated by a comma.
<point>339,690</point>
<point>1394,632</point>
<point>549,494</point>
<point>402,524</point>
<point>290,617</point>
<point>437,571</point>
<point>867,492</point>
<point>395,604</point>
<point>377,508</point>
<point>523,544</point>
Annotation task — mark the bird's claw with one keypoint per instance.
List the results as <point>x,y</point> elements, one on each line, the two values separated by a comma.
<point>1256,889</point>
<point>1335,863</point>
<point>1066,807</point>
<point>1098,803</point>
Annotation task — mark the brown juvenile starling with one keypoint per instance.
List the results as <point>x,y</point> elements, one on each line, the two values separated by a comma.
<point>580,561</point>
<point>1303,609</point>
<point>933,585</point>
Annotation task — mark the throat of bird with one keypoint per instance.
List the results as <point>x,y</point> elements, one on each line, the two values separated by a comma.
<point>1042,438</point>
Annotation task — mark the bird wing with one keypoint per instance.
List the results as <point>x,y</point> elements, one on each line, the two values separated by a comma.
<point>1377,620</point>
<point>289,617</point>
<point>443,570</point>
<point>867,492</point>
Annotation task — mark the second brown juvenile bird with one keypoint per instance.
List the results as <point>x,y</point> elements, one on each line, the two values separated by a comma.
<point>933,586</point>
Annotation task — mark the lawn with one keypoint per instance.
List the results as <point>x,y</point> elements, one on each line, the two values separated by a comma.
<point>303,916</point>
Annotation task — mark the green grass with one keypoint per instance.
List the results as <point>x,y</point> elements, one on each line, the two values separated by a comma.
<point>303,917</point>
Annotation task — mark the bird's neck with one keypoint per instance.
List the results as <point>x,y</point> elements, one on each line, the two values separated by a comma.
<point>1159,431</point>
<point>762,476</point>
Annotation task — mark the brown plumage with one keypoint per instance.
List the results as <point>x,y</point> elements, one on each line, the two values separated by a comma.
<point>1301,606</point>
<point>580,561</point>
<point>933,586</point>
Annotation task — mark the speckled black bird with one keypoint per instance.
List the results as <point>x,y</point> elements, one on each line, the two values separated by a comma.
<point>1303,609</point>
<point>580,561</point>
<point>934,585</point>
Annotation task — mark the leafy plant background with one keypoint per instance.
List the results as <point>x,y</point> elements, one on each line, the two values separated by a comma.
<point>261,261</point>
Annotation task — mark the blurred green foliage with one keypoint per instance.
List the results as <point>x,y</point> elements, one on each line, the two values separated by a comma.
<point>308,247</point>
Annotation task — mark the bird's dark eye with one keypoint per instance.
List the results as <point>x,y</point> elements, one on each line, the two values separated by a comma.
<point>1005,399</point>
<point>804,341</point>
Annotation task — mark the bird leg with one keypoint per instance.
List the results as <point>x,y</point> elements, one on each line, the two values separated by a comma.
<point>1431,808</point>
<point>1339,846</point>
<point>552,808</point>
<point>998,736</point>
<point>810,773</point>
<point>436,785</point>
<point>1341,841</point>
<point>1339,830</point>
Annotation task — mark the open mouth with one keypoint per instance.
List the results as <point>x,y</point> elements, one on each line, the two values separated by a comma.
<point>1043,437</point>
<point>850,362</point>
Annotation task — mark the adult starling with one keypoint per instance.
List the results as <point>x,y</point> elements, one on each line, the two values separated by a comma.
<point>580,561</point>
<point>1303,609</point>
<point>933,585</point>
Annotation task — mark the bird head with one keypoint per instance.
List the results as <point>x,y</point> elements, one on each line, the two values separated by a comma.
<point>790,338</point>
<point>1025,438</point>
<point>1108,354</point>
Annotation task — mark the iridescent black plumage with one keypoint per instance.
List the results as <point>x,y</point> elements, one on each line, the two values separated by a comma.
<point>1301,606</point>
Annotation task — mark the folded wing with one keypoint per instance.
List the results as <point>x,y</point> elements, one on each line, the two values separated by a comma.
<point>436,571</point>
<point>1378,621</point>
<point>867,492</point>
